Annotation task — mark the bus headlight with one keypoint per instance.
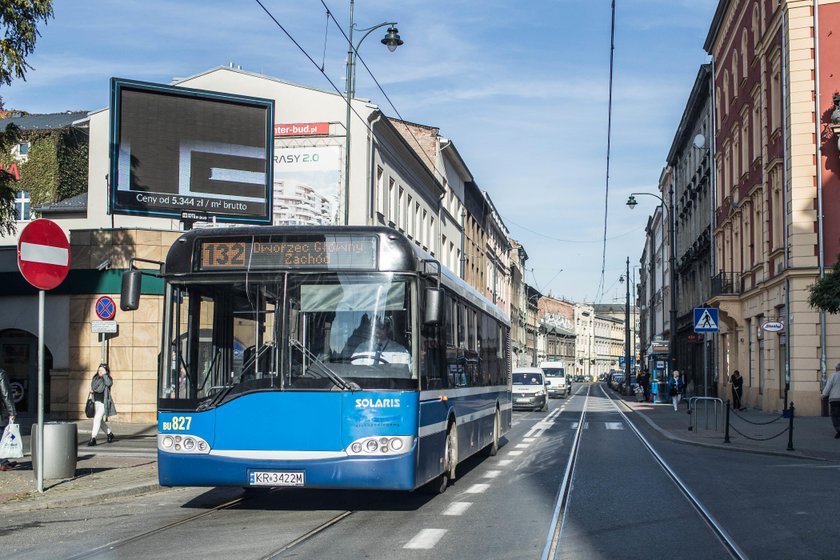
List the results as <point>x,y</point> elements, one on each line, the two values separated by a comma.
<point>183,444</point>
<point>380,445</point>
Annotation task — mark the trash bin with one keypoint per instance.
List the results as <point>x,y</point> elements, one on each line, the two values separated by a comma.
<point>661,392</point>
<point>60,445</point>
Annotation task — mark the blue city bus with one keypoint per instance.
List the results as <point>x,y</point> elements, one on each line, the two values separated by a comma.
<point>322,357</point>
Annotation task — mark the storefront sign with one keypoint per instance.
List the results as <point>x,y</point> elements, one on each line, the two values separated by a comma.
<point>773,326</point>
<point>302,129</point>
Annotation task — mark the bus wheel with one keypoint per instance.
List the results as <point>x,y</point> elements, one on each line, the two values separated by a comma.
<point>493,448</point>
<point>439,484</point>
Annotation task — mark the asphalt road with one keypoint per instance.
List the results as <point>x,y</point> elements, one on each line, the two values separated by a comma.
<point>621,504</point>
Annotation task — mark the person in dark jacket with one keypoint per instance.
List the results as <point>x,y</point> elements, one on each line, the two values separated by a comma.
<point>8,404</point>
<point>100,387</point>
<point>676,387</point>
<point>737,389</point>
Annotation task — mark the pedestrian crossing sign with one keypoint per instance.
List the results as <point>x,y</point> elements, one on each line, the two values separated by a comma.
<point>706,319</point>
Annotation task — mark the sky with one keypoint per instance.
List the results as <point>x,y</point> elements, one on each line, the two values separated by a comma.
<point>520,87</point>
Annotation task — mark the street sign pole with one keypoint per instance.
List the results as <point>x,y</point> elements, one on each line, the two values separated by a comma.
<point>41,299</point>
<point>43,258</point>
<point>705,368</point>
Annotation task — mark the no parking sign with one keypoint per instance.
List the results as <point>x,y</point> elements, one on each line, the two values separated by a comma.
<point>105,308</point>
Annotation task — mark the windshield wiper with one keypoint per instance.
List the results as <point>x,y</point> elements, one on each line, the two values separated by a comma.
<point>333,376</point>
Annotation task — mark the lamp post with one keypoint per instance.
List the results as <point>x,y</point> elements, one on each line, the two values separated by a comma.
<point>627,368</point>
<point>392,41</point>
<point>531,298</point>
<point>672,346</point>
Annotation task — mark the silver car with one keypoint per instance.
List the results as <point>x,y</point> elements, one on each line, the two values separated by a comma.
<point>529,389</point>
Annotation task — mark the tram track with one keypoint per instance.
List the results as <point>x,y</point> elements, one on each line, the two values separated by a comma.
<point>108,549</point>
<point>723,536</point>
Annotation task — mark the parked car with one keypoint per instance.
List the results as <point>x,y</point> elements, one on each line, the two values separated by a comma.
<point>615,379</point>
<point>529,389</point>
<point>559,384</point>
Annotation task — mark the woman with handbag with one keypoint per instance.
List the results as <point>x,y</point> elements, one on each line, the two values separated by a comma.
<point>9,409</point>
<point>676,386</point>
<point>100,387</point>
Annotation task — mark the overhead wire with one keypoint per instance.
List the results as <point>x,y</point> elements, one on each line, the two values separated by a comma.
<point>600,291</point>
<point>418,145</point>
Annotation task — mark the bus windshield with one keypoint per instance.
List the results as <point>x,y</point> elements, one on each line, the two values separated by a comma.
<point>554,371</point>
<point>294,332</point>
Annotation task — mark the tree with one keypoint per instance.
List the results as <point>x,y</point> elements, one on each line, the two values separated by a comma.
<point>825,292</point>
<point>19,20</point>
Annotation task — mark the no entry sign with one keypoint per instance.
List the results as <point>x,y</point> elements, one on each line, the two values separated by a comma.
<point>43,254</point>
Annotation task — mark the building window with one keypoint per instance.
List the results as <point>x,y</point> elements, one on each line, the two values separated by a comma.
<point>380,191</point>
<point>22,213</point>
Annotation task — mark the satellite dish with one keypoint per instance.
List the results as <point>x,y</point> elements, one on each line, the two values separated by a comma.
<point>699,141</point>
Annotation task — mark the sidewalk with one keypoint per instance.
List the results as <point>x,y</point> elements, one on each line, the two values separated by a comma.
<point>128,467</point>
<point>751,431</point>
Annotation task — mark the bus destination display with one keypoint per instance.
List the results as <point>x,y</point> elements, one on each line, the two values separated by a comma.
<point>332,252</point>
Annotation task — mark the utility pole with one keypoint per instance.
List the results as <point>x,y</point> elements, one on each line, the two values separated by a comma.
<point>627,332</point>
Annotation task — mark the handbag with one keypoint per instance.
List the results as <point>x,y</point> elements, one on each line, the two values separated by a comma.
<point>11,446</point>
<point>90,408</point>
<point>672,391</point>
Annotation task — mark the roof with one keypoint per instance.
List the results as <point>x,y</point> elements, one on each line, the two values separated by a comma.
<point>696,100</point>
<point>49,121</point>
<point>715,26</point>
<point>76,203</point>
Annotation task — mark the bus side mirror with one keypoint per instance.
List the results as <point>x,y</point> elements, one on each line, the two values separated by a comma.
<point>130,291</point>
<point>433,314</point>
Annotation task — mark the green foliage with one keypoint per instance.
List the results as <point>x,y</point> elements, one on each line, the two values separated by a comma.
<point>825,293</point>
<point>55,169</point>
<point>19,19</point>
<point>8,184</point>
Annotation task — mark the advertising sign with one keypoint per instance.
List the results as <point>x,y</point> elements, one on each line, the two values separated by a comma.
<point>306,184</point>
<point>177,150</point>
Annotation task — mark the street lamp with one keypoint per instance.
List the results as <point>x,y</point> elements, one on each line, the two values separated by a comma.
<point>672,347</point>
<point>627,369</point>
<point>392,41</point>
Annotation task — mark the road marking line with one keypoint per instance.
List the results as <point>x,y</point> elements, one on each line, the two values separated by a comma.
<point>523,445</point>
<point>528,439</point>
<point>504,462</point>
<point>457,508</point>
<point>614,425</point>
<point>514,453</point>
<point>477,489</point>
<point>492,474</point>
<point>585,425</point>
<point>425,539</point>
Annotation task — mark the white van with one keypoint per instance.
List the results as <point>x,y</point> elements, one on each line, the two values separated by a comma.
<point>555,374</point>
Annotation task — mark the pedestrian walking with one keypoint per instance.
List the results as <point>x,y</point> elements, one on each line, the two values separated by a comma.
<point>676,386</point>
<point>831,391</point>
<point>644,381</point>
<point>737,389</point>
<point>100,386</point>
<point>8,404</point>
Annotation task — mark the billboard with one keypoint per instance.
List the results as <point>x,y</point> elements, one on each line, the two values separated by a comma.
<point>306,184</point>
<point>178,151</point>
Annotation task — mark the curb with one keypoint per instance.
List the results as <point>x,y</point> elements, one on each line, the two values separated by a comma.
<point>726,447</point>
<point>33,502</point>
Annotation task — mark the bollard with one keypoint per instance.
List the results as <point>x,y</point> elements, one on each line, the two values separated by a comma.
<point>790,429</point>
<point>726,438</point>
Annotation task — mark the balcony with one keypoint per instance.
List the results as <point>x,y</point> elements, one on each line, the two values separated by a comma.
<point>726,284</point>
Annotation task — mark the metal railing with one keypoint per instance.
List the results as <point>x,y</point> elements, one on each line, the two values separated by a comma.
<point>726,283</point>
<point>711,409</point>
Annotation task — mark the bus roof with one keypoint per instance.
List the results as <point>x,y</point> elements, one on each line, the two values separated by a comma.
<point>393,252</point>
